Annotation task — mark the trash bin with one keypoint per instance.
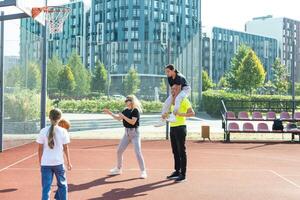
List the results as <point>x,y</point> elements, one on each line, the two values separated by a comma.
<point>205,132</point>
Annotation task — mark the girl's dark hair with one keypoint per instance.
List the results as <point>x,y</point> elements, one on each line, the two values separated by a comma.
<point>171,67</point>
<point>54,115</point>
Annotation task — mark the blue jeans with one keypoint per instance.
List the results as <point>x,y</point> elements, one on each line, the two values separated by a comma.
<point>47,178</point>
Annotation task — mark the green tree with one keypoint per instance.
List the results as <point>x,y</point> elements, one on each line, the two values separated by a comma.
<point>66,81</point>
<point>207,83</point>
<point>82,76</point>
<point>33,76</point>
<point>131,82</point>
<point>251,73</point>
<point>280,77</point>
<point>163,86</point>
<point>53,68</point>
<point>14,77</point>
<point>235,65</point>
<point>223,83</point>
<point>99,78</point>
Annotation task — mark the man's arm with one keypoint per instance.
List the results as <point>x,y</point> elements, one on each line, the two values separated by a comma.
<point>190,113</point>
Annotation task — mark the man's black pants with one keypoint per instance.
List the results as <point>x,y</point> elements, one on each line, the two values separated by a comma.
<point>178,135</point>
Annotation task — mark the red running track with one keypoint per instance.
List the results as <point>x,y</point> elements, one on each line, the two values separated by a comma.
<point>266,171</point>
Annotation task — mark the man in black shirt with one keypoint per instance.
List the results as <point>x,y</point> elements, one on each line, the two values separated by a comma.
<point>174,78</point>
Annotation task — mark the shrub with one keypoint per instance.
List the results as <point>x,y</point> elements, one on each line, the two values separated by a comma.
<point>23,105</point>
<point>96,106</point>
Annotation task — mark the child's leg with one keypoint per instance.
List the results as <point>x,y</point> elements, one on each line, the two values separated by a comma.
<point>121,148</point>
<point>47,178</point>
<point>167,105</point>
<point>136,140</point>
<point>62,191</point>
<point>185,92</point>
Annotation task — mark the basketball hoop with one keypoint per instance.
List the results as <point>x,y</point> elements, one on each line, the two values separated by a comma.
<point>55,16</point>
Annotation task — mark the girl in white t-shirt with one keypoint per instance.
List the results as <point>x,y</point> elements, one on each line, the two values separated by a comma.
<point>53,143</point>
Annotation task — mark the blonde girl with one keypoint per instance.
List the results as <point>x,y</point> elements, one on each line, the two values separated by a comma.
<point>131,121</point>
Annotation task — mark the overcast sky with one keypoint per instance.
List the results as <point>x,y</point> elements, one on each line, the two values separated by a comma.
<point>232,14</point>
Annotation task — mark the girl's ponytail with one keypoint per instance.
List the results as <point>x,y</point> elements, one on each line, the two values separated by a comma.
<point>54,115</point>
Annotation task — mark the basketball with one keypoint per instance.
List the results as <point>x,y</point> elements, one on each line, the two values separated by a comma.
<point>64,123</point>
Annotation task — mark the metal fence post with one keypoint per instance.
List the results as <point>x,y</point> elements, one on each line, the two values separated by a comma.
<point>1,82</point>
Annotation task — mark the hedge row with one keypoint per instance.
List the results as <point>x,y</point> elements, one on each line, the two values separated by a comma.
<point>212,101</point>
<point>96,106</point>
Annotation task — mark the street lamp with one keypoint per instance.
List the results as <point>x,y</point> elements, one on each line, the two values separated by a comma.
<point>109,78</point>
<point>293,78</point>
<point>199,23</point>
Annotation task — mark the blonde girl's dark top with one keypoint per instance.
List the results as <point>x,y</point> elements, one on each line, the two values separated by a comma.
<point>130,114</point>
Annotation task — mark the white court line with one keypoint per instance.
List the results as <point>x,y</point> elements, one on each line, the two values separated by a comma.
<point>30,156</point>
<point>189,151</point>
<point>155,169</point>
<point>285,179</point>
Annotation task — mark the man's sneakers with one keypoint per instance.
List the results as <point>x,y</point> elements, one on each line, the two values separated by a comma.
<point>174,175</point>
<point>171,118</point>
<point>181,178</point>
<point>177,177</point>
<point>115,171</point>
<point>160,123</point>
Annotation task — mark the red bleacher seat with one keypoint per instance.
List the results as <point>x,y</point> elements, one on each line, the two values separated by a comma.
<point>233,126</point>
<point>285,115</point>
<point>263,127</point>
<point>271,115</point>
<point>243,115</point>
<point>230,115</point>
<point>248,127</point>
<point>257,115</point>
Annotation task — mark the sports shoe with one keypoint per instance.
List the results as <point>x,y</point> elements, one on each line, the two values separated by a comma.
<point>174,175</point>
<point>180,179</point>
<point>171,118</point>
<point>144,175</point>
<point>160,123</point>
<point>115,171</point>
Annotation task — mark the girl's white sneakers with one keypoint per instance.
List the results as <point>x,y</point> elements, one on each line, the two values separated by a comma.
<point>115,171</point>
<point>144,175</point>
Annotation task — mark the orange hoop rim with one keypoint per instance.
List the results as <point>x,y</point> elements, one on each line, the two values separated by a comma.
<point>49,9</point>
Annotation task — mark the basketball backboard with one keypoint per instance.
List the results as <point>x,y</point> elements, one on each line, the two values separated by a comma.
<point>14,9</point>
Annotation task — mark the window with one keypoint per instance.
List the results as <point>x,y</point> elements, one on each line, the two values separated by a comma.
<point>266,49</point>
<point>136,12</point>
<point>100,33</point>
<point>134,34</point>
<point>155,15</point>
<point>78,41</point>
<point>172,19</point>
<point>186,21</point>
<point>164,33</point>
<point>156,4</point>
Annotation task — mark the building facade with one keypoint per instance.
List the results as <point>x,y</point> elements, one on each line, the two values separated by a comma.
<point>141,34</point>
<point>144,35</point>
<point>225,44</point>
<point>287,32</point>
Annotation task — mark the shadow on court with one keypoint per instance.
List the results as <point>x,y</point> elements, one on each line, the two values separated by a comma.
<point>94,183</point>
<point>126,193</point>
<point>8,190</point>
